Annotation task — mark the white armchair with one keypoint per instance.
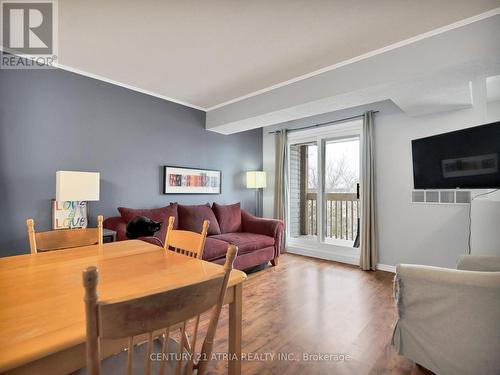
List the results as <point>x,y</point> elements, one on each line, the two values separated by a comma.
<point>449,319</point>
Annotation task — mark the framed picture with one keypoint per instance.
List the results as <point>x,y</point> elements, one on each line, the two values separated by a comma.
<point>178,180</point>
<point>69,214</point>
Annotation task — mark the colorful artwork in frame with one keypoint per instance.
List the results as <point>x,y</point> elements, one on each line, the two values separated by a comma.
<point>178,180</point>
<point>69,214</point>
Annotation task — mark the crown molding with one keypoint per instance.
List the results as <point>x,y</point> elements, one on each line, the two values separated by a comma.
<point>405,42</point>
<point>367,55</point>
<point>124,85</point>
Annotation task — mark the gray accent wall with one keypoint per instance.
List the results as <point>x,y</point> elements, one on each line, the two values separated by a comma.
<point>56,120</point>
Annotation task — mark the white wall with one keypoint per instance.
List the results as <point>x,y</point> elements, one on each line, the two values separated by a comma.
<point>410,233</point>
<point>485,217</point>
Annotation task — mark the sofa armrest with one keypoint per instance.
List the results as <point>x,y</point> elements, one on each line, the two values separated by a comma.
<point>438,309</point>
<point>152,240</point>
<point>258,225</point>
<point>479,263</point>
<point>269,227</point>
<point>117,224</point>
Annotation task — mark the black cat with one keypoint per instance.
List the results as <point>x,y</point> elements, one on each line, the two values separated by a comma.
<point>141,226</point>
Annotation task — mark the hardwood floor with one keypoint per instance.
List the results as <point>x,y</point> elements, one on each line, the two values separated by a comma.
<point>313,306</point>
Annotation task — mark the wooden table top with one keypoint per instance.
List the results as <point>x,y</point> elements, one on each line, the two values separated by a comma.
<point>41,295</point>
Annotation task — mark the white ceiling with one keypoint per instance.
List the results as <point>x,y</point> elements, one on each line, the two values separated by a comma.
<point>206,53</point>
<point>425,76</point>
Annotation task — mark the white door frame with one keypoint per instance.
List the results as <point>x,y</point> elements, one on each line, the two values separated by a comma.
<point>317,247</point>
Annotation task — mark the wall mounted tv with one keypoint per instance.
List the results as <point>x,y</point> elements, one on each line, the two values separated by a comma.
<point>465,159</point>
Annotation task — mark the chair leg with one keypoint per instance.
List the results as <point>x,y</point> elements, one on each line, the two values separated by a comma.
<point>274,262</point>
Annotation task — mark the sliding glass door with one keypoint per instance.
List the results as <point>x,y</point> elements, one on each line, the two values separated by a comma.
<point>340,191</point>
<point>323,194</point>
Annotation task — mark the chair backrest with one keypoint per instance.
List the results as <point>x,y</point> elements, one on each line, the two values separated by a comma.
<point>186,242</point>
<point>63,238</point>
<point>158,311</point>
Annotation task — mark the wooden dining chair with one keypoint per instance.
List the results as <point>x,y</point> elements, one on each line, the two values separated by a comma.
<point>186,242</point>
<point>129,318</point>
<point>63,238</point>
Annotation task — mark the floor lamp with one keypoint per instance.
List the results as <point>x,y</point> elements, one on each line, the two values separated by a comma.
<point>256,180</point>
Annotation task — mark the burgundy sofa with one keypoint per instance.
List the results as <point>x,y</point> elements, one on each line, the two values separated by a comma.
<point>258,240</point>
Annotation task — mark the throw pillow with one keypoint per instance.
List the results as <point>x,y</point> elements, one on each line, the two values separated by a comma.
<point>228,216</point>
<point>157,214</point>
<point>191,218</point>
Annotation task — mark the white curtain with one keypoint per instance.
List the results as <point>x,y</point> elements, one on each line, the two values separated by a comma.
<point>368,258</point>
<point>280,178</point>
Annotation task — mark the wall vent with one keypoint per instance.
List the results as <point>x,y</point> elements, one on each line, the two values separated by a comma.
<point>441,196</point>
<point>432,196</point>
<point>463,197</point>
<point>447,196</point>
<point>418,196</point>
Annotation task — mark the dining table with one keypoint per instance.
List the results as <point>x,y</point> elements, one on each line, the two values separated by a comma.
<point>42,315</point>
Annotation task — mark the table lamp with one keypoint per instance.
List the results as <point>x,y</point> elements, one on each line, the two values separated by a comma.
<point>256,180</point>
<point>77,186</point>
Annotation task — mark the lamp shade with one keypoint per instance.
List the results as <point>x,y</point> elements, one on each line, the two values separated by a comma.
<point>256,179</point>
<point>77,186</point>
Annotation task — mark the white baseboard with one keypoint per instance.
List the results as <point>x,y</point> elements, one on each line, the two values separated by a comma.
<point>335,256</point>
<point>386,267</point>
<point>322,254</point>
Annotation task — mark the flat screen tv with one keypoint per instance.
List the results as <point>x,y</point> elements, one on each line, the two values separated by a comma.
<point>464,159</point>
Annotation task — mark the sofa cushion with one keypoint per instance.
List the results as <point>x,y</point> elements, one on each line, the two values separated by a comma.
<point>191,218</point>
<point>214,249</point>
<point>246,242</point>
<point>228,216</point>
<point>249,260</point>
<point>157,214</point>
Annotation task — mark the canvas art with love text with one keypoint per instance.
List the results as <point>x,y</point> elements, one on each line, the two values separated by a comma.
<point>69,214</point>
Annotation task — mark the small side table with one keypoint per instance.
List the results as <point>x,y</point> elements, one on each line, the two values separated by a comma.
<point>108,235</point>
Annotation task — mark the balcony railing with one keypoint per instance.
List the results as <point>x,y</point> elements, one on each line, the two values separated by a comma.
<point>342,213</point>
